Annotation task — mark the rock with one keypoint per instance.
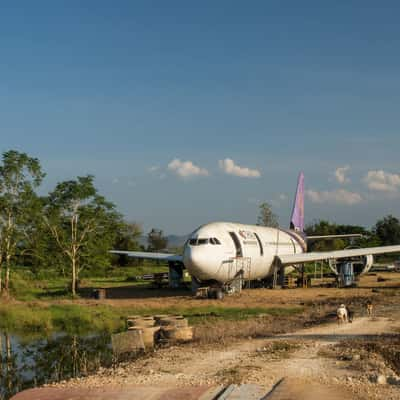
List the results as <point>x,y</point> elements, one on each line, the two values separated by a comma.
<point>381,380</point>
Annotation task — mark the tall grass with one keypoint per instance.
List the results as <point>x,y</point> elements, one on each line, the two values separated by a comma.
<point>73,318</point>
<point>49,284</point>
<point>224,331</point>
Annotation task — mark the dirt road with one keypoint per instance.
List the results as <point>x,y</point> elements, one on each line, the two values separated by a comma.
<point>304,359</point>
<point>323,362</point>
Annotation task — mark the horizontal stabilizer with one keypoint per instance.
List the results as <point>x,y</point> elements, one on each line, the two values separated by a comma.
<point>330,237</point>
<point>292,259</point>
<point>150,256</point>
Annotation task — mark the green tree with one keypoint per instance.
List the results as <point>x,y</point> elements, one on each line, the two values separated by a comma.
<point>388,230</point>
<point>266,217</point>
<point>33,245</point>
<point>19,176</point>
<point>82,223</point>
<point>156,240</point>
<point>127,238</point>
<point>323,227</point>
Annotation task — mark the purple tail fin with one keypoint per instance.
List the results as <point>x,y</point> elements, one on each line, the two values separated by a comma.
<point>297,220</point>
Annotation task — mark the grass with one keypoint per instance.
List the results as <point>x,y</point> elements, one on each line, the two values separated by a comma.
<point>237,374</point>
<point>198,315</point>
<point>279,350</point>
<point>75,319</point>
<point>25,286</point>
<point>44,317</point>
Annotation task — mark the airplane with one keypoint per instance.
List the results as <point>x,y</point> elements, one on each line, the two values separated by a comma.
<point>223,255</point>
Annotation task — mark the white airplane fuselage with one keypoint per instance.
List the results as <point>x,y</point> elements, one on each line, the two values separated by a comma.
<point>218,251</point>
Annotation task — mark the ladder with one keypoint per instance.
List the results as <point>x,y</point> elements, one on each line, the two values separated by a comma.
<point>240,271</point>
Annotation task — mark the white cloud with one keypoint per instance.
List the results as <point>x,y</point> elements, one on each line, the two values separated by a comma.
<point>340,196</point>
<point>186,169</point>
<point>230,168</point>
<point>340,174</point>
<point>382,181</point>
<point>153,168</point>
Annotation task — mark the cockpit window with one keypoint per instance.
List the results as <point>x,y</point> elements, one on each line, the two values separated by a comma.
<point>198,242</point>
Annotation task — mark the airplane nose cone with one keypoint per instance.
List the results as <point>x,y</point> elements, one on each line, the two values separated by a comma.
<point>198,263</point>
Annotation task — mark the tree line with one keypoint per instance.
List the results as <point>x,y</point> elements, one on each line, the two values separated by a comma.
<point>71,228</point>
<point>385,232</point>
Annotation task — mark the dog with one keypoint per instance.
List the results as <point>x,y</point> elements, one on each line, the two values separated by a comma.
<point>341,314</point>
<point>370,308</point>
<point>350,314</point>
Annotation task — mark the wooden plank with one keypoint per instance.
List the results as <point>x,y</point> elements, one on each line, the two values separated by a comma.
<point>242,392</point>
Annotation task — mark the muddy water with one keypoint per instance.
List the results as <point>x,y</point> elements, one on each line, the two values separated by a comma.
<point>27,362</point>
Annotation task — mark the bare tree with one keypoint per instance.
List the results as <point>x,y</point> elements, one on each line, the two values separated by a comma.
<point>266,217</point>
<point>81,221</point>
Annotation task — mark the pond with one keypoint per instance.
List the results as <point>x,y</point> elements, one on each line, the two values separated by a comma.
<point>29,362</point>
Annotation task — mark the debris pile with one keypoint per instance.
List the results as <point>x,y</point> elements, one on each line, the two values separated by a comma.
<point>144,332</point>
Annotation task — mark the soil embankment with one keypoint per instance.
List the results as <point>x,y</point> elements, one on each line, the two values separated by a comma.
<point>352,361</point>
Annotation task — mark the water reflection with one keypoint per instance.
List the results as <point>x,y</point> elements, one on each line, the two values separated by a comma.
<point>29,363</point>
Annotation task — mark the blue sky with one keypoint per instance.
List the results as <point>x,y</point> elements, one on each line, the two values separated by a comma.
<point>122,89</point>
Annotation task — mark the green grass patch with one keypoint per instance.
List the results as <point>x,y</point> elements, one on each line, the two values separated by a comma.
<point>26,286</point>
<point>198,315</point>
<point>201,314</point>
<point>33,318</point>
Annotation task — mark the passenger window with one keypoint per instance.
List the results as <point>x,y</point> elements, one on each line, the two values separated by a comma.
<point>217,241</point>
<point>193,242</point>
<point>202,241</point>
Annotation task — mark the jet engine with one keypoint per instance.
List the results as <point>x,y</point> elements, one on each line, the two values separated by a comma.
<point>361,265</point>
<point>347,270</point>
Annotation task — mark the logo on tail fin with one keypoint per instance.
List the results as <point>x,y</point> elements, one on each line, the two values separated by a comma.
<point>297,220</point>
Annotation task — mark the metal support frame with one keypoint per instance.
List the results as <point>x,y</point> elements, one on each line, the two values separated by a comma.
<point>281,274</point>
<point>175,276</point>
<point>302,276</point>
<point>278,279</point>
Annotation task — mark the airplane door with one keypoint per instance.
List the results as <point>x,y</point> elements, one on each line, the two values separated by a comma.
<point>238,246</point>
<point>234,267</point>
<point>259,244</point>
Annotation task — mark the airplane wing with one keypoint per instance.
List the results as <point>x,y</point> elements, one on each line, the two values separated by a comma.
<point>329,237</point>
<point>300,258</point>
<point>150,256</point>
